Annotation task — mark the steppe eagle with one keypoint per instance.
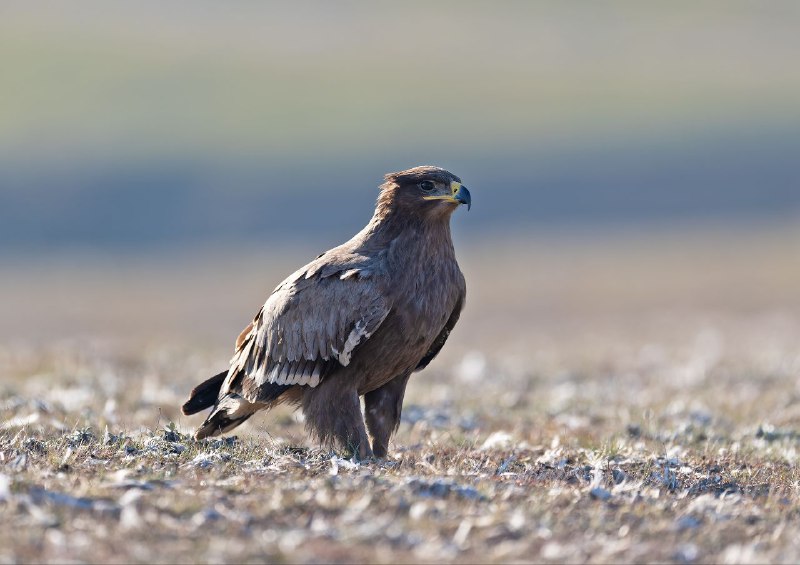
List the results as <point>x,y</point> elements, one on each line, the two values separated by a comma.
<point>356,321</point>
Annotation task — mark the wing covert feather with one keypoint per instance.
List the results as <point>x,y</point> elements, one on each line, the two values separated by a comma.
<point>306,328</point>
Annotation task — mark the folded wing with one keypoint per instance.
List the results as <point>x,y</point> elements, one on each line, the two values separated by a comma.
<point>310,325</point>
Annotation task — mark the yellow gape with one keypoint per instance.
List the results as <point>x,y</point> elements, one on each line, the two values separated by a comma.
<point>455,187</point>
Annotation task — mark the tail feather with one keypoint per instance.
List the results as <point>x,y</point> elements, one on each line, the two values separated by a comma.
<point>231,411</point>
<point>204,395</point>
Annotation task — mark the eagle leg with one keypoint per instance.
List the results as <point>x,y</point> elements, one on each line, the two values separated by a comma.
<point>384,406</point>
<point>333,415</point>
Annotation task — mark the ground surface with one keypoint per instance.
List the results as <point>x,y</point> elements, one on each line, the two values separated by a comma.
<point>643,406</point>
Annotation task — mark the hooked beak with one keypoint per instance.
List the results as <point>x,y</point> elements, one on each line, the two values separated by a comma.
<point>458,194</point>
<point>463,196</point>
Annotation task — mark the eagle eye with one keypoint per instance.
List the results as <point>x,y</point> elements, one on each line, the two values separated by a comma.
<point>427,186</point>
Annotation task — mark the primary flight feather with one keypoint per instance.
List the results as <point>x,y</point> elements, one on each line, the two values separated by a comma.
<point>356,321</point>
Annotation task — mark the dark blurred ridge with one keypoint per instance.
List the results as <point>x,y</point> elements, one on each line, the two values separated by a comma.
<point>147,204</point>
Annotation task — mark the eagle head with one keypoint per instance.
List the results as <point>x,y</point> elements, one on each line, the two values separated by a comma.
<point>426,190</point>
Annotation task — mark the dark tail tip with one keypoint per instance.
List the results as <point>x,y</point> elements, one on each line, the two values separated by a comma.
<point>219,423</point>
<point>231,411</point>
<point>204,395</point>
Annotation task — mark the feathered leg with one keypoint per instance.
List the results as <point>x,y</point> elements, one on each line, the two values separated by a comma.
<point>384,406</point>
<point>333,415</point>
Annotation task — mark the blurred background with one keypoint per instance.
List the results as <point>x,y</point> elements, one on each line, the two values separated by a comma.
<point>164,165</point>
<point>632,259</point>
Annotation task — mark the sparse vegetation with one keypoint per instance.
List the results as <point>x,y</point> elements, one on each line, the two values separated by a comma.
<point>655,457</point>
<point>568,419</point>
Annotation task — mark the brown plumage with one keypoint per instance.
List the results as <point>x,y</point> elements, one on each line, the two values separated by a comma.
<point>356,321</point>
